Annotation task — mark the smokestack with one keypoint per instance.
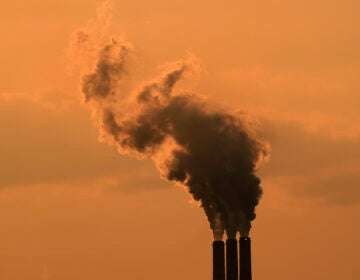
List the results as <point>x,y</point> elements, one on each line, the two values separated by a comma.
<point>231,259</point>
<point>218,260</point>
<point>245,258</point>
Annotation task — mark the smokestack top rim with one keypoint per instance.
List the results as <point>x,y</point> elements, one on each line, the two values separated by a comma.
<point>231,241</point>
<point>244,238</point>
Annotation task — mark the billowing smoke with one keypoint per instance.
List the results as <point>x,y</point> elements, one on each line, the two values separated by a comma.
<point>212,153</point>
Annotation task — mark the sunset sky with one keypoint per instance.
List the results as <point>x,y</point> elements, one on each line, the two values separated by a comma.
<point>73,208</point>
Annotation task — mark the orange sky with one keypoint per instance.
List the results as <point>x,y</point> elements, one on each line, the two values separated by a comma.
<point>73,208</point>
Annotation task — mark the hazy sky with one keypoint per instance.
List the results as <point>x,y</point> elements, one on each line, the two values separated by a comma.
<point>73,208</point>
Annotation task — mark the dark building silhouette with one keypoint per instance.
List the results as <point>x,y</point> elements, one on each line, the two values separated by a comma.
<point>218,260</point>
<point>232,259</point>
<point>245,258</point>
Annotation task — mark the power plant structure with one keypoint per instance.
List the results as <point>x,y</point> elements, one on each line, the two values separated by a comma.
<point>245,258</point>
<point>237,264</point>
<point>218,260</point>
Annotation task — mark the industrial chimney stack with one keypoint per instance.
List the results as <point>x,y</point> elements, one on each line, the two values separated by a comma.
<point>232,259</point>
<point>245,258</point>
<point>235,262</point>
<point>218,260</point>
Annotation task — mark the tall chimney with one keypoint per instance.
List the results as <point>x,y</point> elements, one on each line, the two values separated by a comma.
<point>245,258</point>
<point>232,259</point>
<point>218,260</point>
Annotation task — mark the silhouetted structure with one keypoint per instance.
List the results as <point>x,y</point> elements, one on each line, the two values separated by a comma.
<point>245,258</point>
<point>218,260</point>
<point>232,259</point>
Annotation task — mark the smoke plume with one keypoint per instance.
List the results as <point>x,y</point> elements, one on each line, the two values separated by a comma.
<point>213,153</point>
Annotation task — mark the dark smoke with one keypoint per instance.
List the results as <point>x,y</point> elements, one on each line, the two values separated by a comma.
<point>213,153</point>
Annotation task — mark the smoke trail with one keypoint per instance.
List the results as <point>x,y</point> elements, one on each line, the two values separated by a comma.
<point>213,153</point>
<point>86,41</point>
